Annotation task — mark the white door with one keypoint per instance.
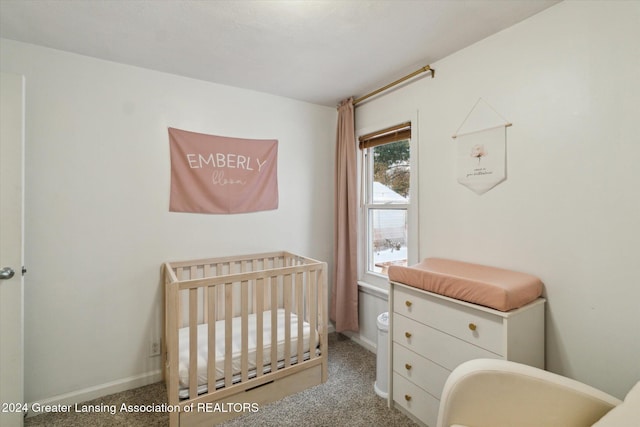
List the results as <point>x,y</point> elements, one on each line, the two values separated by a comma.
<point>11,249</point>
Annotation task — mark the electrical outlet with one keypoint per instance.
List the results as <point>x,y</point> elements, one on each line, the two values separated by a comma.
<point>154,350</point>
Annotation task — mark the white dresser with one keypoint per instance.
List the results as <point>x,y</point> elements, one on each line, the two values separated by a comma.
<point>431,334</point>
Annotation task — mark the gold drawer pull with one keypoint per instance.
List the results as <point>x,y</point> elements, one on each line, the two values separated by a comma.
<point>408,303</point>
<point>407,397</point>
<point>407,334</point>
<point>472,326</point>
<point>407,366</point>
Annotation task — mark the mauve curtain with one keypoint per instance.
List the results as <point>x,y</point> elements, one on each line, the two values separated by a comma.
<point>344,295</point>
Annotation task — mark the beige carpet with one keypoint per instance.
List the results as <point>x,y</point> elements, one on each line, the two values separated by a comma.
<point>347,398</point>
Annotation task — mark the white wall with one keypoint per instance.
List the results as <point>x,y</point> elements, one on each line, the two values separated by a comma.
<point>97,198</point>
<point>569,210</point>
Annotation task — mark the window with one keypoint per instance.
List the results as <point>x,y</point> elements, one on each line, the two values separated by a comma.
<point>388,178</point>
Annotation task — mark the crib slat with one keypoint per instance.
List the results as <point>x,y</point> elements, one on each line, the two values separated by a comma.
<point>211,359</point>
<point>228,349</point>
<point>307,295</point>
<point>300,314</point>
<point>274,323</point>
<point>322,306</point>
<point>313,316</point>
<point>220,289</point>
<point>260,283</point>
<point>253,288</point>
<point>244,302</point>
<point>220,293</point>
<point>265,266</point>
<point>193,343</point>
<point>205,296</point>
<point>287,320</point>
<point>180,278</point>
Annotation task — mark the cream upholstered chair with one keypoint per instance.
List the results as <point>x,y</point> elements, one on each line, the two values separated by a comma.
<point>499,393</point>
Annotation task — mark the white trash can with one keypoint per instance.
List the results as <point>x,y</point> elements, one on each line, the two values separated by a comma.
<point>381,385</point>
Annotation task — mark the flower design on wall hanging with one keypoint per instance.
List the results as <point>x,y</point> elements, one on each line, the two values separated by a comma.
<point>479,151</point>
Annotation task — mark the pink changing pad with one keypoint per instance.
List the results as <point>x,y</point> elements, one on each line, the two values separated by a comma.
<point>493,287</point>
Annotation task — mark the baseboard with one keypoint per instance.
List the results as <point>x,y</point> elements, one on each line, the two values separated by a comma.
<point>97,391</point>
<point>362,341</point>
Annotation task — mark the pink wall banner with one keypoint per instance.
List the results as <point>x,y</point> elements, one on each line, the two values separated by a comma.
<point>222,175</point>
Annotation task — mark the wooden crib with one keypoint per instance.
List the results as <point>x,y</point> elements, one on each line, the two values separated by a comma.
<point>260,299</point>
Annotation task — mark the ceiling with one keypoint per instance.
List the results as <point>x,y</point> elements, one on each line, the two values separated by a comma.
<point>316,51</point>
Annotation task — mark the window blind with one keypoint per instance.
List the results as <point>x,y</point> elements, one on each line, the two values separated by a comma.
<point>385,136</point>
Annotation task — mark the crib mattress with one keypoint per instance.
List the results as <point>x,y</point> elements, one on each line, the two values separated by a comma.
<point>493,287</point>
<point>203,347</point>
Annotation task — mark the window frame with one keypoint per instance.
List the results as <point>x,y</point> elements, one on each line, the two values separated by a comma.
<point>365,176</point>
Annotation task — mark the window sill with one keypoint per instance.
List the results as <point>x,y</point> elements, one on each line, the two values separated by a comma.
<point>374,290</point>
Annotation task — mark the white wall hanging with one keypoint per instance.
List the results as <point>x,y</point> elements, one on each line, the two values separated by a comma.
<point>482,148</point>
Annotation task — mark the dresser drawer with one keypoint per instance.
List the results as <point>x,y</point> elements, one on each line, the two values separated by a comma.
<point>416,401</point>
<point>428,375</point>
<point>475,326</point>
<point>444,349</point>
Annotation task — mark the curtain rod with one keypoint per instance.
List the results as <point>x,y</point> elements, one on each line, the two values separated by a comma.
<point>397,82</point>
